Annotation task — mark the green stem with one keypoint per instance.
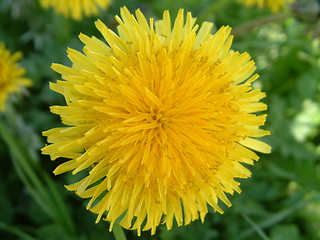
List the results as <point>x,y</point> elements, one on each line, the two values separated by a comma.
<point>256,227</point>
<point>118,232</point>
<point>244,28</point>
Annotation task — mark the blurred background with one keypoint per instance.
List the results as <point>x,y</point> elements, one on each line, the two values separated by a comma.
<point>282,198</point>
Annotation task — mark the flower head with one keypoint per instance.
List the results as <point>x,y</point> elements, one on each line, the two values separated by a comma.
<point>76,9</point>
<point>274,5</point>
<point>162,119</point>
<point>11,75</point>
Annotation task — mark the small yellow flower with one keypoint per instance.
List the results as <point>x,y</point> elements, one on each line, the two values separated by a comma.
<point>76,9</point>
<point>274,5</point>
<point>11,75</point>
<point>161,119</point>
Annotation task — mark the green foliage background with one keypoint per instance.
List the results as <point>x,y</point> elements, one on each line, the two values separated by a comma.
<point>282,199</point>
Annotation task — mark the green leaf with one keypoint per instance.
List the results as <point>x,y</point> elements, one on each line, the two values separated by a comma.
<point>40,186</point>
<point>283,232</point>
<point>16,231</point>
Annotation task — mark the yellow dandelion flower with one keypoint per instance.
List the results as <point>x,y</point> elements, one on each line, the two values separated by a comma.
<point>76,9</point>
<point>160,117</point>
<point>11,75</point>
<point>274,5</point>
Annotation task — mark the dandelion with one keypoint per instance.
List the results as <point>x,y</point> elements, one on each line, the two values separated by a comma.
<point>11,75</point>
<point>274,5</point>
<point>76,9</point>
<point>161,120</point>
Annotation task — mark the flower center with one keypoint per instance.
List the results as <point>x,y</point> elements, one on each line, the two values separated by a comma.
<point>160,118</point>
